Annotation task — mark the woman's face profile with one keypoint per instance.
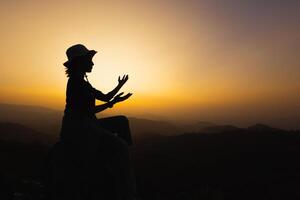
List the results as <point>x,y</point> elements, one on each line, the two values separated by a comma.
<point>88,65</point>
<point>85,64</point>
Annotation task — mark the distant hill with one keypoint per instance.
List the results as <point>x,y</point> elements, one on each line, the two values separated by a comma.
<point>17,133</point>
<point>196,127</point>
<point>145,128</point>
<point>42,119</point>
<point>219,129</point>
<point>48,121</point>
<point>263,128</point>
<point>169,163</point>
<point>27,112</point>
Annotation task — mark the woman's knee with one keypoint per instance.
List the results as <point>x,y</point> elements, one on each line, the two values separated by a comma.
<point>115,119</point>
<point>122,119</point>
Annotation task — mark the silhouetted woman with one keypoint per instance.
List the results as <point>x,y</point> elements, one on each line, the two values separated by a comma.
<point>105,140</point>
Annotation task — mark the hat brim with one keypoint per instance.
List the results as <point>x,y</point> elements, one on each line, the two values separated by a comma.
<point>90,54</point>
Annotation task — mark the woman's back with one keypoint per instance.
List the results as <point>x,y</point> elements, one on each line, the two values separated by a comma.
<point>80,98</point>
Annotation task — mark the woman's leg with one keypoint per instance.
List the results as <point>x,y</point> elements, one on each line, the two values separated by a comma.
<point>117,124</point>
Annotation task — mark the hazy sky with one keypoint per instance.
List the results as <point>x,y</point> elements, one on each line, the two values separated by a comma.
<point>230,61</point>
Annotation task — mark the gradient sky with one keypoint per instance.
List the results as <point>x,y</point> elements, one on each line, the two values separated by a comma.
<point>222,61</point>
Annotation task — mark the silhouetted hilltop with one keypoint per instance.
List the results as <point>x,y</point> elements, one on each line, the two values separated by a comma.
<point>42,119</point>
<point>263,128</point>
<point>197,127</point>
<point>48,121</point>
<point>13,132</point>
<point>27,112</point>
<point>219,129</point>
<point>145,128</point>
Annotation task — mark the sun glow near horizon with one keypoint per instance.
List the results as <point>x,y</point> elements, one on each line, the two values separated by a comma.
<point>185,60</point>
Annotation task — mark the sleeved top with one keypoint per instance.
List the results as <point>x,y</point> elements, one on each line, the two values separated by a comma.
<point>80,98</point>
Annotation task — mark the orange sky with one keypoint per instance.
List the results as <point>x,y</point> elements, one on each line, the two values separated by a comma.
<point>187,60</point>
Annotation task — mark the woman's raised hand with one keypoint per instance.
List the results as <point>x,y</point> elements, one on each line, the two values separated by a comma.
<point>119,97</point>
<point>123,80</point>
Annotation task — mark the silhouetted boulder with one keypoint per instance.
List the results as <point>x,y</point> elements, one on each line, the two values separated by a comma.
<point>68,177</point>
<point>6,192</point>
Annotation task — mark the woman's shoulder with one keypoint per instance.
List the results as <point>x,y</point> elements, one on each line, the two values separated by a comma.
<point>77,82</point>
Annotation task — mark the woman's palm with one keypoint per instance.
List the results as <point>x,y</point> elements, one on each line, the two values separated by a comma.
<point>119,97</point>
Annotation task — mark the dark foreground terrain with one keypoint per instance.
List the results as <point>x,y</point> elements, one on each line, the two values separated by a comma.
<point>222,162</point>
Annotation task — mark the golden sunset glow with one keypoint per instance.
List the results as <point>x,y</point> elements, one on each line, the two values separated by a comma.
<point>185,60</point>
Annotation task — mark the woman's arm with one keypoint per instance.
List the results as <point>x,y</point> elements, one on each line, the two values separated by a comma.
<point>118,98</point>
<point>104,106</point>
<point>111,94</point>
<point>107,97</point>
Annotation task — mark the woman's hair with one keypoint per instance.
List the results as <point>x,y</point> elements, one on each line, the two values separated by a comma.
<point>69,69</point>
<point>72,67</point>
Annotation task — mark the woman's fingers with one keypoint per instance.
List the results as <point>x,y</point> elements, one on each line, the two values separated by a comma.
<point>123,79</point>
<point>119,98</point>
<point>127,95</point>
<point>119,95</point>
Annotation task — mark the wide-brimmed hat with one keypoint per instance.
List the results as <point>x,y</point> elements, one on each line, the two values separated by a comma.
<point>78,50</point>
